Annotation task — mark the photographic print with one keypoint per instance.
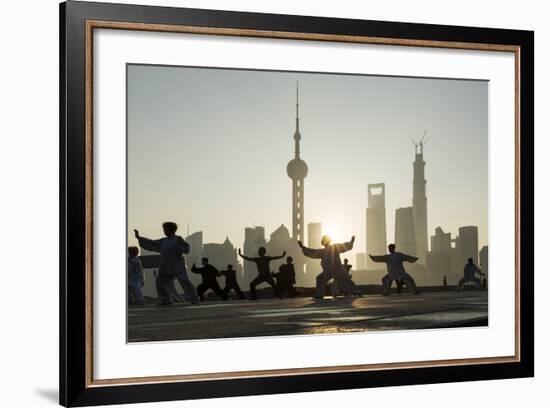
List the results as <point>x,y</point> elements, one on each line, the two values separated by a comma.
<point>274,203</point>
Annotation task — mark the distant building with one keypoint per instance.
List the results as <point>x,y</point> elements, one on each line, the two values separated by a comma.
<point>441,241</point>
<point>438,265</point>
<point>376,222</point>
<point>405,238</point>
<point>313,266</point>
<point>484,260</point>
<point>360,261</point>
<point>468,246</point>
<point>254,238</point>
<point>439,259</point>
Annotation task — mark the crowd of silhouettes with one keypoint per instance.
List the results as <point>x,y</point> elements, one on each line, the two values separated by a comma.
<point>335,276</point>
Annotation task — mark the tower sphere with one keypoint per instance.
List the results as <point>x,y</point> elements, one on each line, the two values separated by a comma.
<point>296,169</point>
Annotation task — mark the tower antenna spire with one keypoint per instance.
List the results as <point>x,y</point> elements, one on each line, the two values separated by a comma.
<point>297,107</point>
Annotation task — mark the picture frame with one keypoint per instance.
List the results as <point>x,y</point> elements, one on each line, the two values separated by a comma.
<point>79,20</point>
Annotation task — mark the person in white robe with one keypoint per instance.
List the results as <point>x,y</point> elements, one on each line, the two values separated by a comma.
<point>172,263</point>
<point>332,265</point>
<point>136,278</point>
<point>396,271</point>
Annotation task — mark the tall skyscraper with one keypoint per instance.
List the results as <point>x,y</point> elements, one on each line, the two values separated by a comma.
<point>405,239</point>
<point>439,260</point>
<point>297,171</point>
<point>468,246</point>
<point>420,212</point>
<point>376,222</point>
<point>484,259</point>
<point>360,261</point>
<point>313,266</point>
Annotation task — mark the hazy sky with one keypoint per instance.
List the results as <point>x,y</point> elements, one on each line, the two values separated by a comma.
<point>209,147</point>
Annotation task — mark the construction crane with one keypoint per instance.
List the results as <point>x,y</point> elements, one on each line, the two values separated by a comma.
<point>420,143</point>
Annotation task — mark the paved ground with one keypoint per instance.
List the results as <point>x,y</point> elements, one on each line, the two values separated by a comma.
<point>269,317</point>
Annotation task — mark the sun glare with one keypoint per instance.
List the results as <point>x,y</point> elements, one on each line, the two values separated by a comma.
<point>333,232</point>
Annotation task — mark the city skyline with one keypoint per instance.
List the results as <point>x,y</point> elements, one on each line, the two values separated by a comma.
<point>343,214</point>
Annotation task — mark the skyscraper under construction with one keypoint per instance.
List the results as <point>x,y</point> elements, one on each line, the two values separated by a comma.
<point>420,202</point>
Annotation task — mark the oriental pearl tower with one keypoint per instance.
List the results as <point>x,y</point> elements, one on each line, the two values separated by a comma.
<point>297,171</point>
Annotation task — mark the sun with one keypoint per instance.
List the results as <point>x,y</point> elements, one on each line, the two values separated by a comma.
<point>333,231</point>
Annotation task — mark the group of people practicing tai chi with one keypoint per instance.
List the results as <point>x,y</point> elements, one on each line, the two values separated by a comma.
<point>172,267</point>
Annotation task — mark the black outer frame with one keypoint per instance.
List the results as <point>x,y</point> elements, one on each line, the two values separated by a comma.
<point>73,391</point>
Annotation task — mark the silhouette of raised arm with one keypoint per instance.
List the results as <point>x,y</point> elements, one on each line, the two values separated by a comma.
<point>410,258</point>
<point>194,269</point>
<point>379,258</point>
<point>245,257</point>
<point>146,243</point>
<point>278,257</point>
<point>312,253</point>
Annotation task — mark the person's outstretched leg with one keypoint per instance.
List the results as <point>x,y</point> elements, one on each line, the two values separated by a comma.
<point>162,284</point>
<point>409,281</point>
<point>321,281</point>
<point>386,282</point>
<point>136,290</point>
<point>477,282</point>
<point>200,291</point>
<point>346,285</point>
<point>271,282</point>
<point>461,283</point>
<point>256,281</point>
<point>187,286</point>
<point>218,291</point>
<point>238,291</point>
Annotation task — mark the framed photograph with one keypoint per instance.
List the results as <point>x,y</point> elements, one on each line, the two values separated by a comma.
<point>256,204</point>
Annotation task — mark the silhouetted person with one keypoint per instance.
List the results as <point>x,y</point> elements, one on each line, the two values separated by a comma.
<point>470,271</point>
<point>136,278</point>
<point>286,278</point>
<point>484,283</point>
<point>231,282</point>
<point>331,264</point>
<point>172,262</point>
<point>347,267</point>
<point>209,279</point>
<point>347,276</point>
<point>445,283</point>
<point>264,274</point>
<point>396,271</point>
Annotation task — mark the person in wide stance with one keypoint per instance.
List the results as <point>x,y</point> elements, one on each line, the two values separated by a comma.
<point>231,282</point>
<point>470,271</point>
<point>209,279</point>
<point>396,271</point>
<point>264,274</point>
<point>172,263</point>
<point>332,266</point>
